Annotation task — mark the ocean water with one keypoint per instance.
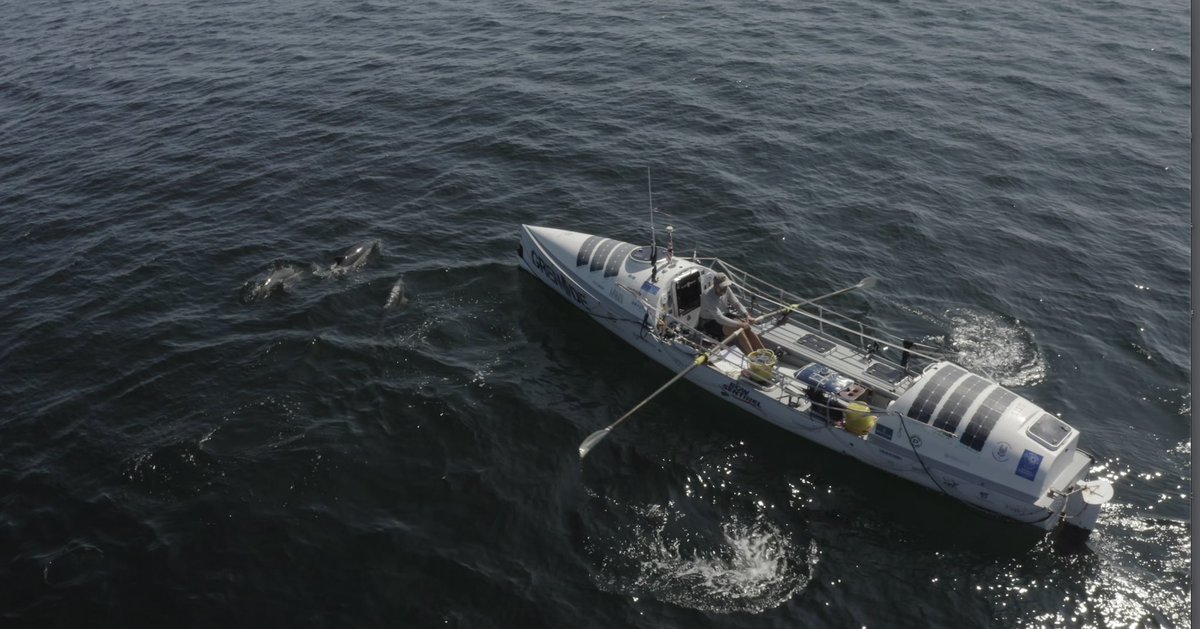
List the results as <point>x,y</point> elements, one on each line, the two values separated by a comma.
<point>178,451</point>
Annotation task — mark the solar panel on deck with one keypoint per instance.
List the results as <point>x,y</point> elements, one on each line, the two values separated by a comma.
<point>585,251</point>
<point>887,373</point>
<point>985,418</point>
<point>601,254</point>
<point>958,403</point>
<point>934,390</point>
<point>614,263</point>
<point>815,343</point>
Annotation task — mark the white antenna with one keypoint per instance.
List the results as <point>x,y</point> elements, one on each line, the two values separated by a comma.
<point>653,240</point>
<point>650,193</point>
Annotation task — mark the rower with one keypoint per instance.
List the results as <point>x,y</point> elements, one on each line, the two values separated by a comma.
<point>714,321</point>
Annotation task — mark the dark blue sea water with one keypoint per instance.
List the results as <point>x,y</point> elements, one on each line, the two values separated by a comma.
<point>174,455</point>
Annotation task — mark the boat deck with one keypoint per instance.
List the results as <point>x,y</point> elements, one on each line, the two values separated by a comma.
<point>804,345</point>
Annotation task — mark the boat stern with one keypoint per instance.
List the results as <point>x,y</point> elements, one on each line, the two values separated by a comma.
<point>1019,449</point>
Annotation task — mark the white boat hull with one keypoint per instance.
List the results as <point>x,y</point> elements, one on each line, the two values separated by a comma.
<point>621,297</point>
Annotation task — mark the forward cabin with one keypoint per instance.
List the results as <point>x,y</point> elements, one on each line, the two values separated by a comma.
<point>832,379</point>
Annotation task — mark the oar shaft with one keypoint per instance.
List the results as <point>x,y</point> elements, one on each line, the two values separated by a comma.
<point>696,363</point>
<point>653,395</point>
<point>595,437</point>
<point>814,299</point>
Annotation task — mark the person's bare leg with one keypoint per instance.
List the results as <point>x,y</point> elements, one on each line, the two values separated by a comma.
<point>754,339</point>
<point>742,341</point>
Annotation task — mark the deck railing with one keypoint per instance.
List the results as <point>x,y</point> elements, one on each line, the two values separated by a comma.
<point>765,296</point>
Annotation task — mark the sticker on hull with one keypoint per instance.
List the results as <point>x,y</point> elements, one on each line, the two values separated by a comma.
<point>739,393</point>
<point>1028,467</point>
<point>558,280</point>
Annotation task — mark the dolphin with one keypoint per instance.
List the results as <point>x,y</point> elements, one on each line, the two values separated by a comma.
<point>353,258</point>
<point>276,281</point>
<point>396,295</point>
<point>396,298</point>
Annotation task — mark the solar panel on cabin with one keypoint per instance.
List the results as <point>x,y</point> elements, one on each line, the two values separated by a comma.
<point>962,398</point>
<point>614,263</point>
<point>985,418</point>
<point>815,343</point>
<point>585,251</point>
<point>928,398</point>
<point>601,254</point>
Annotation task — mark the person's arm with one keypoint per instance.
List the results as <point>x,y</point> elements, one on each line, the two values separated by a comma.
<point>711,308</point>
<point>737,305</point>
<point>725,319</point>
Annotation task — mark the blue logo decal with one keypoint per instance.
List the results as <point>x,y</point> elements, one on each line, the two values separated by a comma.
<point>883,431</point>
<point>739,393</point>
<point>1028,467</point>
<point>647,287</point>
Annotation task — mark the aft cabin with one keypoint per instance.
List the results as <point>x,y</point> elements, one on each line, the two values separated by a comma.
<point>1021,443</point>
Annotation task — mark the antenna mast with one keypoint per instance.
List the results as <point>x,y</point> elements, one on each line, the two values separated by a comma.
<point>650,193</point>
<point>653,242</point>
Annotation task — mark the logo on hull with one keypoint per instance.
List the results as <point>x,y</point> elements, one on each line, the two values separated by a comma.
<point>739,393</point>
<point>1028,466</point>
<point>558,279</point>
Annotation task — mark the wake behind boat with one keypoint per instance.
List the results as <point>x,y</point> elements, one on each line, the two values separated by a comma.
<point>826,378</point>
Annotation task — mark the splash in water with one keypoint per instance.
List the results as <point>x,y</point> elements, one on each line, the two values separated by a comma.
<point>750,567</point>
<point>995,346</point>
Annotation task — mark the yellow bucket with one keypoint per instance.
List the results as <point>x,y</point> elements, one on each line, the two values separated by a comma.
<point>762,364</point>
<point>859,419</point>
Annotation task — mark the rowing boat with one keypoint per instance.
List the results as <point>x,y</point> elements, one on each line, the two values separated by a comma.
<point>888,402</point>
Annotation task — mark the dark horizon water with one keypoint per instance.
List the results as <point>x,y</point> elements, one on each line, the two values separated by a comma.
<point>172,455</point>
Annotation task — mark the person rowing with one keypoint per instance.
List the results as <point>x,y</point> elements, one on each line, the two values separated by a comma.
<point>715,303</point>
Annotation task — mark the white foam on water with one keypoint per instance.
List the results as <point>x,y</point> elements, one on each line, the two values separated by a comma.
<point>995,346</point>
<point>753,567</point>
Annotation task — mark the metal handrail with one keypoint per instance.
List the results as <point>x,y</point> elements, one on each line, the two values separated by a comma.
<point>823,315</point>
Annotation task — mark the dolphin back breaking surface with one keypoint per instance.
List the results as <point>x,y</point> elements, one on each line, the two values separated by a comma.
<point>396,296</point>
<point>354,258</point>
<point>278,280</point>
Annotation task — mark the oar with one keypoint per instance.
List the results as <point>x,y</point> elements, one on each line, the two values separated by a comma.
<point>595,437</point>
<point>867,282</point>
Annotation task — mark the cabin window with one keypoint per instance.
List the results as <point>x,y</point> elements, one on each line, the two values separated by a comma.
<point>1049,431</point>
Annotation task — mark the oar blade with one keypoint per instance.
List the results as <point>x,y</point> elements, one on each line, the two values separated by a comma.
<point>868,282</point>
<point>592,440</point>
